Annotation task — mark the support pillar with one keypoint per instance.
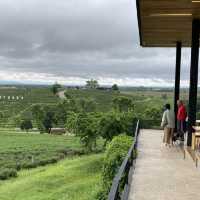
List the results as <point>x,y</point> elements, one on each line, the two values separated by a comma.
<point>177,79</point>
<point>193,79</point>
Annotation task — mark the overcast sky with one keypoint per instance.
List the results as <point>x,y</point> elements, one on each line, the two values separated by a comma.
<point>70,41</point>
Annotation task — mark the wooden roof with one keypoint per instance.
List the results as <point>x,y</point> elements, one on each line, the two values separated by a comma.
<point>164,22</point>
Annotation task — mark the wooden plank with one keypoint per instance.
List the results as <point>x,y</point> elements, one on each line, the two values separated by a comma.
<point>162,44</point>
<point>165,21</point>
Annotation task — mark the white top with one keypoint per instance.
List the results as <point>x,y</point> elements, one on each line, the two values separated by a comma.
<point>168,119</point>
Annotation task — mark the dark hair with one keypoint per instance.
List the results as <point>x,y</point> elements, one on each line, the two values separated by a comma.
<point>167,106</point>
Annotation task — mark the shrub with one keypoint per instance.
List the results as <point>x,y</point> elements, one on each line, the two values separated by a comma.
<point>7,173</point>
<point>123,104</point>
<point>116,151</point>
<point>154,113</point>
<point>150,124</point>
<point>85,125</point>
<point>26,125</point>
<point>114,123</point>
<point>110,126</point>
<point>198,115</point>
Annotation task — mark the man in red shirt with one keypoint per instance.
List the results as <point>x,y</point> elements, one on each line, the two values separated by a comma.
<point>181,119</point>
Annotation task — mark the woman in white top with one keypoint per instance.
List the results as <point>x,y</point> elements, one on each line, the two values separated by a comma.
<point>168,124</point>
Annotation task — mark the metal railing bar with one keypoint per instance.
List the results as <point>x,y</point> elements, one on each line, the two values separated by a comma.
<point>124,168</point>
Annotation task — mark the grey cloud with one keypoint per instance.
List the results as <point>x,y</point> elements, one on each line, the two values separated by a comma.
<point>79,38</point>
<point>65,30</point>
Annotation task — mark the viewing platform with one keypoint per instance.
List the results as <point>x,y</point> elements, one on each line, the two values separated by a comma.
<point>162,173</point>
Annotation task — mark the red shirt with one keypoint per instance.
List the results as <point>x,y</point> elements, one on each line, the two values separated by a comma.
<point>182,114</point>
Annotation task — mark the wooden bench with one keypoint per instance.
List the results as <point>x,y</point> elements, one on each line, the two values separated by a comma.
<point>58,131</point>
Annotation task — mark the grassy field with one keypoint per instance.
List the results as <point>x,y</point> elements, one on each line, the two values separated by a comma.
<point>142,99</point>
<point>70,179</point>
<point>12,108</point>
<point>103,99</point>
<point>21,150</point>
<point>73,178</point>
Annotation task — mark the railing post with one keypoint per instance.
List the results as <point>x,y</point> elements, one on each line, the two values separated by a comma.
<point>177,80</point>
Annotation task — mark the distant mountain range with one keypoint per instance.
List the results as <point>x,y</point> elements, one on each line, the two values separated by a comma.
<point>34,83</point>
<point>3,82</point>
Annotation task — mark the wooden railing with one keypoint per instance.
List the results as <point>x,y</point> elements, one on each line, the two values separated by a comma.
<point>121,182</point>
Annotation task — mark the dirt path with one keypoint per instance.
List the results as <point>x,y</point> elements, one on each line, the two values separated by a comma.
<point>61,94</point>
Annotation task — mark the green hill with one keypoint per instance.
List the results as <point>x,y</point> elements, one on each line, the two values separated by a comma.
<point>103,99</point>
<point>14,101</point>
<point>70,179</point>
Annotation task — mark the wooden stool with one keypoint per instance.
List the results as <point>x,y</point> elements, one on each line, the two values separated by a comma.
<point>197,122</point>
<point>197,142</point>
<point>196,138</point>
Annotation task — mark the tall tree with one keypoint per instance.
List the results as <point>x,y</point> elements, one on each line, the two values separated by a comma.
<point>92,84</point>
<point>55,88</point>
<point>45,116</point>
<point>123,104</point>
<point>38,116</point>
<point>49,119</point>
<point>87,105</point>
<point>70,103</point>
<point>115,87</point>
<point>26,125</point>
<point>85,126</point>
<point>110,126</point>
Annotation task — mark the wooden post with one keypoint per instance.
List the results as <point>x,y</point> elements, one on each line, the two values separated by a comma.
<point>193,79</point>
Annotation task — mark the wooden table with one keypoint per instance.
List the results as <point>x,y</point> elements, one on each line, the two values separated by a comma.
<point>196,138</point>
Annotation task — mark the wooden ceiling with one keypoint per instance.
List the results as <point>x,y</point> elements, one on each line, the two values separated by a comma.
<point>164,22</point>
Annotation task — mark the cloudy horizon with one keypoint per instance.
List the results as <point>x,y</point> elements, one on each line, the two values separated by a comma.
<point>73,41</point>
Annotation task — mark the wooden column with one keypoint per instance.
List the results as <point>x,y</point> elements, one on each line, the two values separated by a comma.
<point>177,79</point>
<point>193,79</point>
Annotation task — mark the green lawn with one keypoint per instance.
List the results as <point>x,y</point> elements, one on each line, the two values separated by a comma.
<point>70,179</point>
<point>22,150</point>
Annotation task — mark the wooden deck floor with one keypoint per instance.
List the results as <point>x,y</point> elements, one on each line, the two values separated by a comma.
<point>162,173</point>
